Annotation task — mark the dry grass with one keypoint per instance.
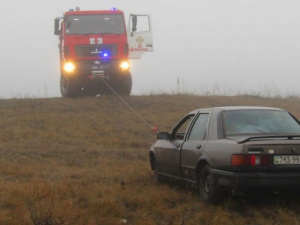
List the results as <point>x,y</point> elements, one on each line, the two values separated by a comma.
<point>85,161</point>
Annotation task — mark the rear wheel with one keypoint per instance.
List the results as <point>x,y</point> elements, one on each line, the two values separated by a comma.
<point>209,190</point>
<point>69,87</point>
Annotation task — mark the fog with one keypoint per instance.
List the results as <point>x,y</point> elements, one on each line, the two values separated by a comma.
<point>200,46</point>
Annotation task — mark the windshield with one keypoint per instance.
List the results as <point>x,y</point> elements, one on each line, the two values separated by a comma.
<point>241,122</point>
<point>95,24</point>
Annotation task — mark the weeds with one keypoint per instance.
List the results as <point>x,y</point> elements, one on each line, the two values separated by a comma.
<point>46,206</point>
<point>85,161</point>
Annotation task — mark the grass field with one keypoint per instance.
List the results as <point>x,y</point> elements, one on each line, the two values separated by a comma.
<point>85,161</point>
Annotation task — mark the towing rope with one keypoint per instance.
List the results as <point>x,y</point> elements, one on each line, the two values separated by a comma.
<point>154,129</point>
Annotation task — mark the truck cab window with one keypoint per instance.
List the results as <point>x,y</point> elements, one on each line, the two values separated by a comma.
<point>95,24</point>
<point>142,24</point>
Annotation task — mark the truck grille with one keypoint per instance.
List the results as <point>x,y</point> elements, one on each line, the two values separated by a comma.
<point>95,50</point>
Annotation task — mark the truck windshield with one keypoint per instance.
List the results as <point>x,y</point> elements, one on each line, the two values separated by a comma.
<point>95,24</point>
<point>241,122</point>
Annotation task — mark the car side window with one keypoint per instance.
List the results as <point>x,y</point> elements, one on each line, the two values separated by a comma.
<point>179,131</point>
<point>198,131</point>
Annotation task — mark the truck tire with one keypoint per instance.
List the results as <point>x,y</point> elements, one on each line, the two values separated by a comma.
<point>210,192</point>
<point>69,87</point>
<point>123,84</point>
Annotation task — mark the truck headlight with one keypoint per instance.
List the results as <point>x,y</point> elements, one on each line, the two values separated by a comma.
<point>69,67</point>
<point>125,65</point>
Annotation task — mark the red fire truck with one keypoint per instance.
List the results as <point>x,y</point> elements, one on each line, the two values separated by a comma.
<point>95,48</point>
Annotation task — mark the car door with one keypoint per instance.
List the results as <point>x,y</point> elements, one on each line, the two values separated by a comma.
<point>193,147</point>
<point>139,35</point>
<point>168,154</point>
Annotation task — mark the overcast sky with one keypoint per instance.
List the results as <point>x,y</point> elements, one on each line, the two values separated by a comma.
<point>210,46</point>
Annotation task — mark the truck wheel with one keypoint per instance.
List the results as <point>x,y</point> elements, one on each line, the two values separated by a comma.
<point>209,190</point>
<point>123,84</point>
<point>69,87</point>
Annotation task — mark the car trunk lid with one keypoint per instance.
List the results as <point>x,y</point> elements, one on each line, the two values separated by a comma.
<point>284,153</point>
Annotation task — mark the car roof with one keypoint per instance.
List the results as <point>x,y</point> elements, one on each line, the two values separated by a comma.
<point>231,108</point>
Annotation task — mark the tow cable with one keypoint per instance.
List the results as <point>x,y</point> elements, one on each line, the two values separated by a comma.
<point>154,129</point>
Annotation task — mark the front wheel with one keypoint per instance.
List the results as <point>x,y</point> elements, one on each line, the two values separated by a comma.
<point>209,190</point>
<point>69,87</point>
<point>123,84</point>
<point>153,165</point>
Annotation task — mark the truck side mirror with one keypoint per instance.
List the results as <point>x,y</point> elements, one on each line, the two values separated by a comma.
<point>56,26</point>
<point>134,23</point>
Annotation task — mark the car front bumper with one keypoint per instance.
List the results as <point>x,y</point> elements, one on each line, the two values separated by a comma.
<point>240,180</point>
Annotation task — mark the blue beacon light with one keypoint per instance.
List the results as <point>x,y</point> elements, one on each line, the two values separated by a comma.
<point>105,54</point>
<point>114,9</point>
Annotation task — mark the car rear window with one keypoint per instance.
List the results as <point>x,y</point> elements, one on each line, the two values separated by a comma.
<point>241,122</point>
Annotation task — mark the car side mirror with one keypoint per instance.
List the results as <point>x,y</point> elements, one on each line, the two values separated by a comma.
<point>163,135</point>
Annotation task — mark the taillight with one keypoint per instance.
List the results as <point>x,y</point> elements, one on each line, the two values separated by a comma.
<point>237,160</point>
<point>265,160</point>
<point>250,160</point>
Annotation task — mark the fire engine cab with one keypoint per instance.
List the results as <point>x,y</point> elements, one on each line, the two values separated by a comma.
<point>95,48</point>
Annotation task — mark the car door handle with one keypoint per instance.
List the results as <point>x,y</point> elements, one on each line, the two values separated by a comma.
<point>198,146</point>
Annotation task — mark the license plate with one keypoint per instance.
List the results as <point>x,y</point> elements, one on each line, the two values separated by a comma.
<point>286,159</point>
<point>99,73</point>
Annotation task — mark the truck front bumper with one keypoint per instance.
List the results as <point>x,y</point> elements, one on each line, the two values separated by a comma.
<point>98,68</point>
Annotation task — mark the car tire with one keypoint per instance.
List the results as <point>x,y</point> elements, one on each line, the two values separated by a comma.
<point>209,190</point>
